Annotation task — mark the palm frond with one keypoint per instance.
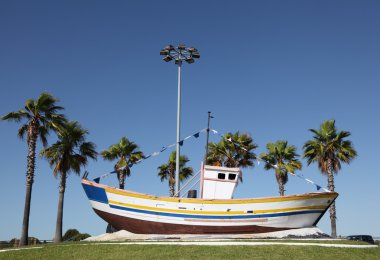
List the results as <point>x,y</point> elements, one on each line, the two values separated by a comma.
<point>30,107</point>
<point>328,145</point>
<point>22,131</point>
<point>234,150</point>
<point>88,149</point>
<point>43,133</point>
<point>281,157</point>
<point>16,116</point>
<point>167,171</point>
<point>71,152</point>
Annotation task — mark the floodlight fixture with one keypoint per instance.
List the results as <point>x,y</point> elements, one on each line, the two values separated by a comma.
<point>180,53</point>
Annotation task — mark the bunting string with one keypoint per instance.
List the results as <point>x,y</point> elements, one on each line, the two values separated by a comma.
<point>258,159</point>
<point>196,135</point>
<point>164,148</point>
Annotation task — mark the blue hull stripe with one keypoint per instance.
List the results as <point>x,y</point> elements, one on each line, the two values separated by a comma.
<point>95,193</point>
<point>215,217</point>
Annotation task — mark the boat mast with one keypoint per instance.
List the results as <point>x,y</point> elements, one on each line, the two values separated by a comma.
<point>208,133</point>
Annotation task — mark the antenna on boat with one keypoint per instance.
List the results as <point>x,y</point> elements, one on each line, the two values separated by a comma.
<point>85,175</point>
<point>208,133</point>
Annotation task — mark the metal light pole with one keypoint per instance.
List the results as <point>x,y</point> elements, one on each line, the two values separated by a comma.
<point>179,54</point>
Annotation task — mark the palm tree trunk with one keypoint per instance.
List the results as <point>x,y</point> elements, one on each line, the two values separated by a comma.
<point>331,188</point>
<point>25,221</point>
<point>281,189</point>
<point>121,177</point>
<point>32,140</point>
<point>58,226</point>
<point>171,186</point>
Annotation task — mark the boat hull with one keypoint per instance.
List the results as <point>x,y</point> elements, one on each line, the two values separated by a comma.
<point>149,227</point>
<point>146,214</point>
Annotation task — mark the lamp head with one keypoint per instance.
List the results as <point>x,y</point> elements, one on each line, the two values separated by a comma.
<point>196,55</point>
<point>169,47</point>
<point>192,49</point>
<point>181,46</point>
<point>167,58</point>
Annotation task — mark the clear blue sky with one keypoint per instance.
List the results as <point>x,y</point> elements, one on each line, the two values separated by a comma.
<point>273,69</point>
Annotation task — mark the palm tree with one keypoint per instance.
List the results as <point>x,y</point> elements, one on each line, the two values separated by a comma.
<point>127,153</point>
<point>68,154</point>
<point>40,117</point>
<point>234,150</point>
<point>281,158</point>
<point>167,171</point>
<point>329,149</point>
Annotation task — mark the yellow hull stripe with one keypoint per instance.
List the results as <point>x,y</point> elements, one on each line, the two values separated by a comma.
<point>331,195</point>
<point>201,212</point>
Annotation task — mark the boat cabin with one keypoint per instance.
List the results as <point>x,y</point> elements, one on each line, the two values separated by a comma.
<point>218,182</point>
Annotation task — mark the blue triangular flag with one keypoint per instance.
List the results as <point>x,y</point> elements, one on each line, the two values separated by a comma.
<point>97,180</point>
<point>318,187</point>
<point>196,135</point>
<point>181,143</point>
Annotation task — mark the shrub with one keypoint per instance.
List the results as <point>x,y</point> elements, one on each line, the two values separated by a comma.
<point>70,234</point>
<point>74,235</point>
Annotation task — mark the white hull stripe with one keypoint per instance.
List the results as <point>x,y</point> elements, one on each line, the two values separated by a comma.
<point>178,215</point>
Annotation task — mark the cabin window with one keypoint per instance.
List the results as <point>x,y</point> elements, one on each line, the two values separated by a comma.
<point>231,176</point>
<point>221,176</point>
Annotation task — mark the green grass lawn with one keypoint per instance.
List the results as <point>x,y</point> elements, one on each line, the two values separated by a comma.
<point>109,251</point>
<point>315,241</point>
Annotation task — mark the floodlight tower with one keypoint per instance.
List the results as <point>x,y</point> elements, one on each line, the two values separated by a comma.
<point>179,54</point>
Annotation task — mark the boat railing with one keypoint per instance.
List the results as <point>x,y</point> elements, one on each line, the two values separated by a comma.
<point>187,183</point>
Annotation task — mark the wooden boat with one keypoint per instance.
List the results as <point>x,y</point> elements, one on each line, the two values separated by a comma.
<point>215,212</point>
